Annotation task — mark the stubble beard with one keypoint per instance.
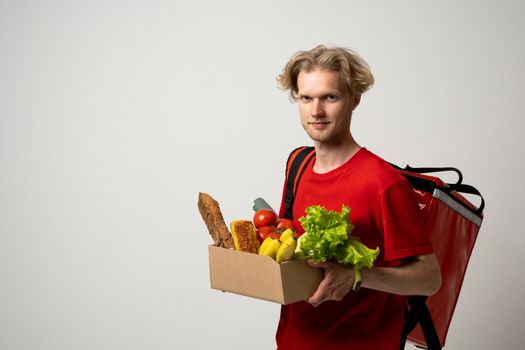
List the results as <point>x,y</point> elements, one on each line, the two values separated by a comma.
<point>327,136</point>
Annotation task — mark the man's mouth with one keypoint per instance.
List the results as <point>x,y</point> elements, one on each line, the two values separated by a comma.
<point>319,125</point>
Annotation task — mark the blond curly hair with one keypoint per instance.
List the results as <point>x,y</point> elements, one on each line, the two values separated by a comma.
<point>354,71</point>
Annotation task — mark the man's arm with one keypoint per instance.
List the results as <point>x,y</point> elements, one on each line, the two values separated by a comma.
<point>418,276</point>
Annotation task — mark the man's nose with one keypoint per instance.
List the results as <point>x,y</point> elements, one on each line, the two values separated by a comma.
<point>317,108</point>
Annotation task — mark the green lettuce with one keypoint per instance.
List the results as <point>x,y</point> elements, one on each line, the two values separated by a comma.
<point>328,237</point>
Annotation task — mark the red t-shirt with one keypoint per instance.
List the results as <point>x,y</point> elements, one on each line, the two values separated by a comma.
<point>385,214</point>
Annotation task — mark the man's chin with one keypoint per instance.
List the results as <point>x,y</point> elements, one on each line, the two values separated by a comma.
<point>326,139</point>
<point>320,137</point>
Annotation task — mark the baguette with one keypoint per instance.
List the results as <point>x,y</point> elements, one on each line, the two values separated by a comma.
<point>212,216</point>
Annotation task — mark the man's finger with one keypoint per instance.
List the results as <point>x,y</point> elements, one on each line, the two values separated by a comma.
<point>319,295</point>
<point>315,299</point>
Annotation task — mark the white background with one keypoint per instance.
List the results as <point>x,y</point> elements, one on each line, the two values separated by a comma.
<point>114,115</point>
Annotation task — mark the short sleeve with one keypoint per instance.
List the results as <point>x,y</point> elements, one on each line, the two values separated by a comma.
<point>401,223</point>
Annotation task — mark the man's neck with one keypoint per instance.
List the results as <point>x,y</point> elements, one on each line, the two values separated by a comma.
<point>331,156</point>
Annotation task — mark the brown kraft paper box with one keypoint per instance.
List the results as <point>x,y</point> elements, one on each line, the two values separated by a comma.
<point>261,277</point>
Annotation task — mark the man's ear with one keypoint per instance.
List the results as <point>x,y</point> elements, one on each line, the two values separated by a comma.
<point>355,100</point>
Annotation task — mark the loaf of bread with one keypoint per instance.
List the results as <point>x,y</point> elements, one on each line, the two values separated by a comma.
<point>244,236</point>
<point>212,216</point>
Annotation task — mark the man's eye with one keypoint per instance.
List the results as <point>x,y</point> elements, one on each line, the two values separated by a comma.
<point>305,98</point>
<point>331,98</point>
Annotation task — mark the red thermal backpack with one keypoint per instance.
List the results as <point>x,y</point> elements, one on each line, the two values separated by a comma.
<point>452,223</point>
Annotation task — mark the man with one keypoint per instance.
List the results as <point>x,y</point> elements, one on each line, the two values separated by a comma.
<point>327,84</point>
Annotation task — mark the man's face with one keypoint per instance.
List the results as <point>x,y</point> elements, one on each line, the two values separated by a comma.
<point>325,106</point>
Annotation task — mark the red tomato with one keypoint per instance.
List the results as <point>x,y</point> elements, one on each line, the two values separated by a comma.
<point>285,223</point>
<point>274,235</point>
<point>264,217</point>
<point>263,232</point>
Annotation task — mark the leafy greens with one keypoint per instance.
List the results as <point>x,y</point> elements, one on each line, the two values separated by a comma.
<point>327,237</point>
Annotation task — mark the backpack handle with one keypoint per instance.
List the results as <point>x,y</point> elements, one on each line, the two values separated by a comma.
<point>426,170</point>
<point>458,186</point>
<point>464,188</point>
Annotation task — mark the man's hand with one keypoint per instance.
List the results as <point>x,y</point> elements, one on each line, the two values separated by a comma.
<point>337,282</point>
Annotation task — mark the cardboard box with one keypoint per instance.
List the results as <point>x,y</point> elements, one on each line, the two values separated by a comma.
<point>261,277</point>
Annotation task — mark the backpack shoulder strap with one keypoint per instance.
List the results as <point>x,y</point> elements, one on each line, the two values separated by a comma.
<point>295,167</point>
<point>419,313</point>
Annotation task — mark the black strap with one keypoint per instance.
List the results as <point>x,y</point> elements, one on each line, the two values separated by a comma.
<point>426,170</point>
<point>419,313</point>
<point>294,171</point>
